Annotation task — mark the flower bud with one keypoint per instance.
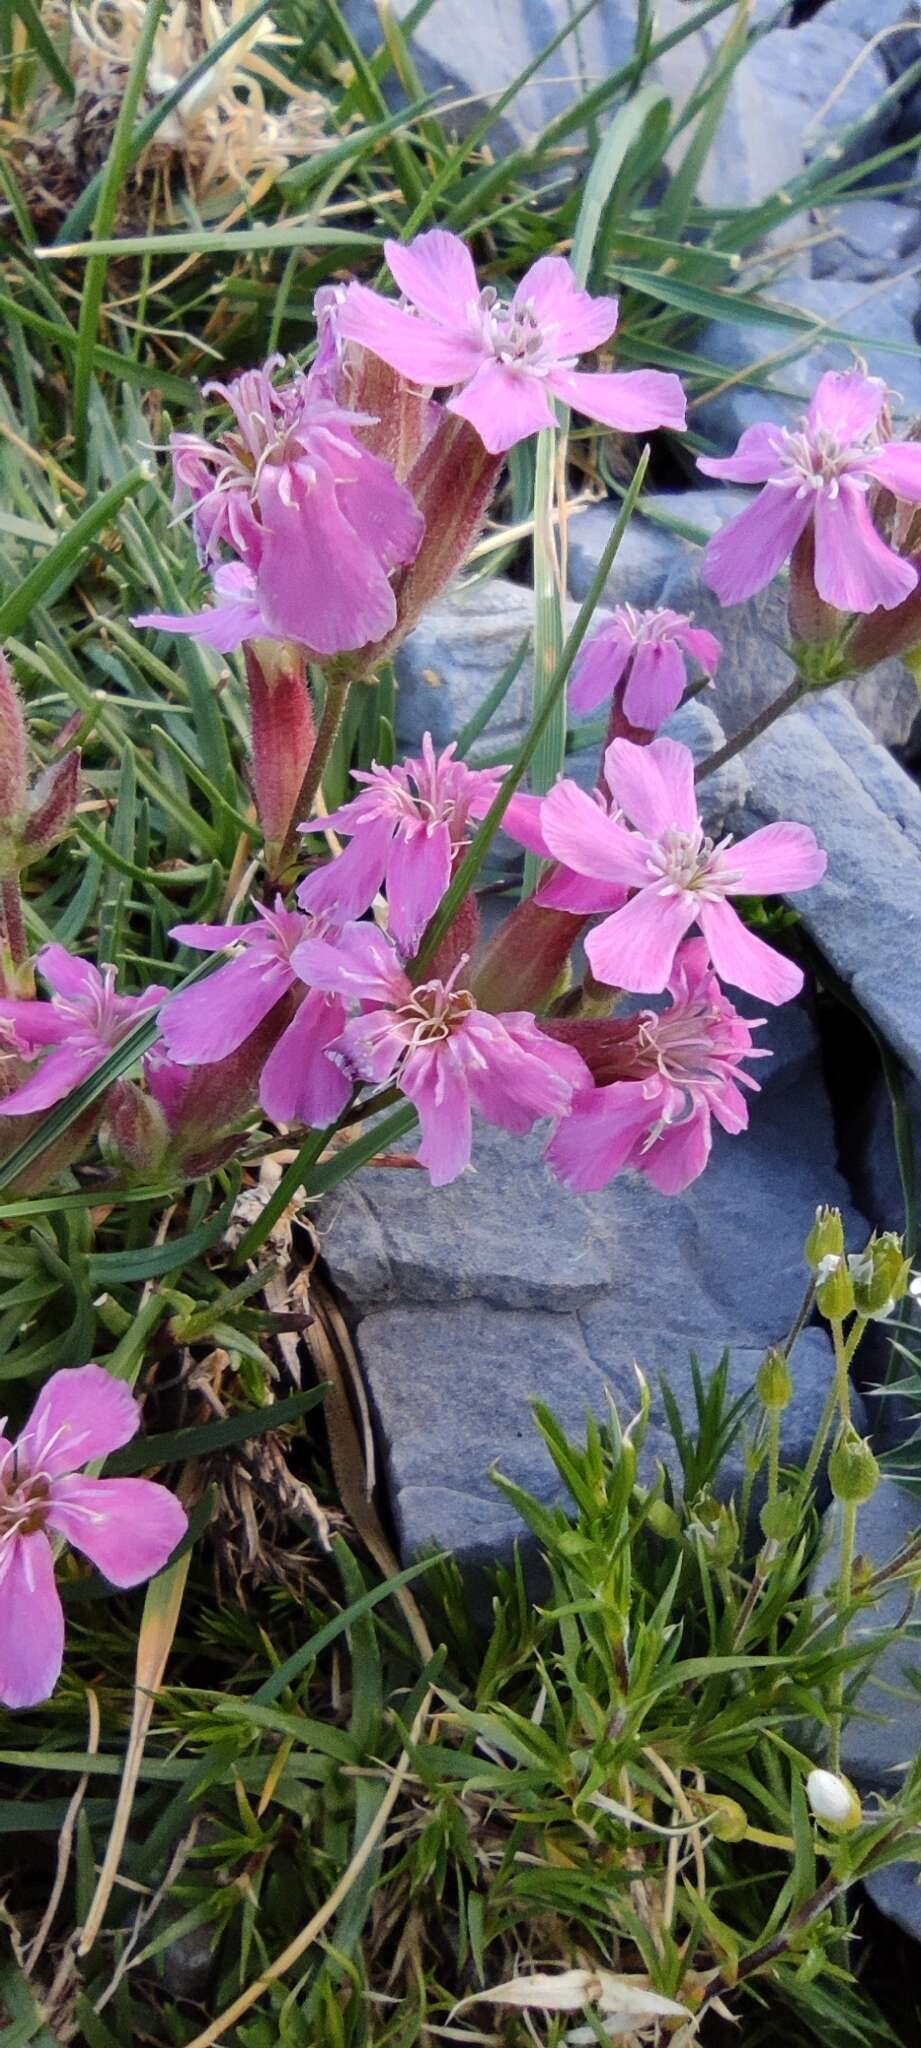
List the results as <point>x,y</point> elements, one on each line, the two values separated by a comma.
<point>717,1523</point>
<point>780,1518</point>
<point>774,1384</point>
<point>834,1288</point>
<point>853,1471</point>
<point>880,1275</point>
<point>50,806</point>
<point>522,964</point>
<point>826,1236</point>
<point>726,1819</point>
<point>12,768</point>
<point>833,1801</point>
<point>134,1134</point>
<point>283,736</point>
<point>811,620</point>
<point>663,1521</point>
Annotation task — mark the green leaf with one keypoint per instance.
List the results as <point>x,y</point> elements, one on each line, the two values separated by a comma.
<point>59,566</point>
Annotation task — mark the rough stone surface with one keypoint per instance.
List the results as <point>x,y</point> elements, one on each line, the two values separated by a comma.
<point>504,1287</point>
<point>817,765</point>
<point>883,1734</point>
<point>875,1172</point>
<point>888,316</point>
<point>663,567</point>
<point>865,240</point>
<point>896,1891</point>
<point>794,72</point>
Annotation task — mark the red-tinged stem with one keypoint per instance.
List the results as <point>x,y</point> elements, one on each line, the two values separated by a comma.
<point>15,936</point>
<point>337,697</point>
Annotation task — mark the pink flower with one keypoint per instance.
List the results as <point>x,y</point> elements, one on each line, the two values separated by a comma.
<point>408,826</point>
<point>128,1528</point>
<point>821,475</point>
<point>506,359</point>
<point>447,1056</point>
<point>679,877</point>
<point>684,1068</point>
<point>209,1021</point>
<point>642,651</point>
<point>315,521</point>
<point>564,888</point>
<point>75,1031</point>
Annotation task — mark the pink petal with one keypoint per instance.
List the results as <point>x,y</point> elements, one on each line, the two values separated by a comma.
<point>80,1414</point>
<point>680,1153</point>
<point>436,271</point>
<point>31,1622</point>
<point>755,460</point>
<point>777,858</point>
<point>319,583</point>
<point>632,401</point>
<point>730,1107</point>
<point>747,553</point>
<point>128,1528</point>
<point>598,669</point>
<point>504,405</point>
<point>635,949</point>
<point>573,321</point>
<point>361,965</point>
<point>223,627</point>
<point>300,1083</point>
<point>898,466</point>
<point>522,821</point>
<point>655,685</point>
<point>68,975</point>
<point>703,647</point>
<point>57,1076</point>
<point>514,1073</point>
<point>854,569</point>
<point>564,890</point>
<point>347,885</point>
<point>579,833</point>
<point>380,510</point>
<point>846,404</point>
<point>418,873</point>
<point>419,350</point>
<point>653,785</point>
<point>744,960</point>
<point>595,1141</point>
<point>36,1023</point>
<point>205,1023</point>
<point>210,938</point>
<point>434,1080</point>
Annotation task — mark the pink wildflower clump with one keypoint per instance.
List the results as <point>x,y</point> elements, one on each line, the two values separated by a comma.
<point>209,1021</point>
<point>74,1032</point>
<point>818,478</point>
<point>447,1056</point>
<point>128,1528</point>
<point>506,360</point>
<point>314,523</point>
<point>657,849</point>
<point>640,655</point>
<point>408,826</point>
<point>677,1070</point>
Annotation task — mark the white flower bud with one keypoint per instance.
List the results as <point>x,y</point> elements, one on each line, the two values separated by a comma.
<point>833,1800</point>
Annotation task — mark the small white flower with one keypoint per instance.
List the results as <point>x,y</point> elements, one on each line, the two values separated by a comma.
<point>832,1799</point>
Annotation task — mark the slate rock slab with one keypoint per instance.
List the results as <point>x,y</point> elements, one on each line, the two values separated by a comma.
<point>657,566</point>
<point>469,1303</point>
<point>864,240</point>
<point>818,765</point>
<point>782,392</point>
<point>884,1734</point>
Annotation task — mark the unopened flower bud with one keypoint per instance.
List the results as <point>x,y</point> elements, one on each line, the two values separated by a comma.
<point>774,1383</point>
<point>852,1468</point>
<point>50,806</point>
<point>834,1291</point>
<point>880,1275</point>
<point>12,765</point>
<point>283,736</point>
<point>717,1523</point>
<point>726,1819</point>
<point>663,1521</point>
<point>780,1518</point>
<point>826,1238</point>
<point>811,620</point>
<point>833,1801</point>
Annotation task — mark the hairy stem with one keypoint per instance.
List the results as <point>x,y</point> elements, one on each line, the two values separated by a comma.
<point>13,929</point>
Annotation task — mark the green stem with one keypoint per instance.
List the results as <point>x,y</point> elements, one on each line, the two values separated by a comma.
<point>337,697</point>
<point>314,1145</point>
<point>756,726</point>
<point>845,1594</point>
<point>839,1397</point>
<point>842,1376</point>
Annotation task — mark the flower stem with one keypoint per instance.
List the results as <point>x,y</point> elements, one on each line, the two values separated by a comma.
<point>756,726</point>
<point>845,1592</point>
<point>337,697</point>
<point>15,942</point>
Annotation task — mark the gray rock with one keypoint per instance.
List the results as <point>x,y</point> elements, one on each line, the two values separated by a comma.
<point>883,1733</point>
<point>875,1172</point>
<point>865,915</point>
<point>899,45</point>
<point>895,1892</point>
<point>794,72</point>
<point>643,559</point>
<point>864,240</point>
<point>503,1287</point>
<point>780,390</point>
